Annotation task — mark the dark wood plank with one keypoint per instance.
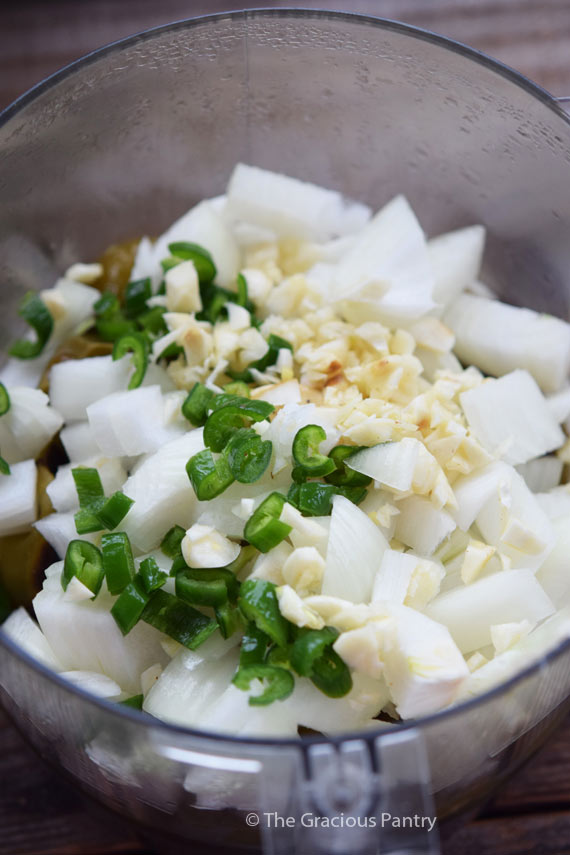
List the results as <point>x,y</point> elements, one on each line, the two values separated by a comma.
<point>40,814</point>
<point>37,38</point>
<point>535,834</point>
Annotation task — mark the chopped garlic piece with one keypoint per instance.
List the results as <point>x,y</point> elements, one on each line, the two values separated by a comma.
<point>182,288</point>
<point>238,317</point>
<point>269,565</point>
<point>203,546</point>
<point>477,660</point>
<point>361,648</point>
<point>475,558</point>
<point>87,274</point>
<point>506,635</point>
<point>294,609</point>
<point>304,570</point>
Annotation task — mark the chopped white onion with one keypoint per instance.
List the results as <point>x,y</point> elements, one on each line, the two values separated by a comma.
<point>510,417</point>
<point>18,497</point>
<point>354,552</point>
<point>498,338</point>
<point>504,597</point>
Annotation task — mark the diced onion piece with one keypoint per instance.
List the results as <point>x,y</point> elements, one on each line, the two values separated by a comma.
<point>390,463</point>
<point>131,422</point>
<point>162,493</point>
<point>553,573</point>
<point>25,632</point>
<point>85,637</point>
<point>422,666</point>
<point>559,405</point>
<point>555,503</point>
<point>513,521</point>
<point>354,553</point>
<point>59,529</point>
<point>63,492</point>
<point>504,597</point>
<point>456,261</point>
<point>498,338</point>
<point>473,491</point>
<point>279,394</point>
<point>28,426</point>
<point>405,578</point>
<point>387,275</point>
<point>422,526</point>
<point>94,683</point>
<point>510,417</point>
<point>289,207</point>
<point>530,649</point>
<point>79,442</point>
<point>77,383</point>
<point>541,474</point>
<point>18,497</point>
<point>188,686</point>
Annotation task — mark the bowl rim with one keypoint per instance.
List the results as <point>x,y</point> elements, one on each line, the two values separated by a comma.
<point>211,739</point>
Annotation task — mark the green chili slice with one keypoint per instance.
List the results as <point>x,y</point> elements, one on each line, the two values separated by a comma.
<point>88,485</point>
<point>110,321</point>
<point>208,477</point>
<point>309,646</point>
<point>264,529</point>
<point>314,499</point>
<point>195,407</point>
<point>248,455</point>
<point>83,560</point>
<point>4,467</point>
<point>242,296</point>
<point>280,683</point>
<point>331,675</point>
<point>258,603</point>
<point>201,258</point>
<point>239,388</point>
<point>343,476</point>
<point>135,702</point>
<point>153,321</point>
<point>5,400</point>
<point>96,512</point>
<point>136,295</point>
<point>253,645</point>
<point>118,561</point>
<point>135,343</point>
<point>228,620</point>
<point>306,455</point>
<point>206,586</point>
<point>128,608</point>
<point>229,415</point>
<point>35,312</point>
<point>171,543</point>
<point>152,577</point>
<point>114,510</point>
<point>177,619</point>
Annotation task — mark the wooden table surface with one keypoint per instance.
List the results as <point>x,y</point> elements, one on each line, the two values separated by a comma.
<point>39,814</point>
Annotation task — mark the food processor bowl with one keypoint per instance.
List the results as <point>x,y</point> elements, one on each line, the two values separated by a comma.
<point>121,143</point>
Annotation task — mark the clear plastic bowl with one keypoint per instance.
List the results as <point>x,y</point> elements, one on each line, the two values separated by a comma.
<point>122,142</point>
